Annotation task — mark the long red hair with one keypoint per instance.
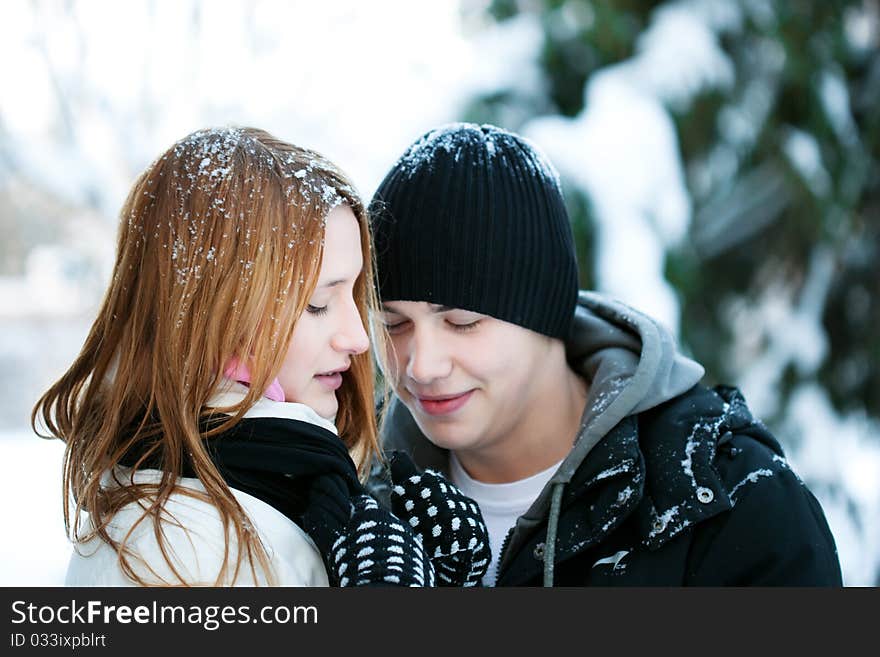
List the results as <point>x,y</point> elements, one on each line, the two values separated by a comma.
<point>219,250</point>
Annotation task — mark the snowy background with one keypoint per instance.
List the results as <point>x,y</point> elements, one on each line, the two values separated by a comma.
<point>93,90</point>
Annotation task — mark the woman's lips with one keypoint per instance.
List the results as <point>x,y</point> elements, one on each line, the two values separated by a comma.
<point>443,405</point>
<point>330,381</point>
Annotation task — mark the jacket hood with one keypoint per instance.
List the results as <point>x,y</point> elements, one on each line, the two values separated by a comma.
<point>632,364</point>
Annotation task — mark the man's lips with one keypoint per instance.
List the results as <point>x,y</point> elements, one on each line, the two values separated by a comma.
<point>442,404</point>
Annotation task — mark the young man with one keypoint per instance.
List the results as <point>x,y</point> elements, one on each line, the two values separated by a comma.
<point>595,455</point>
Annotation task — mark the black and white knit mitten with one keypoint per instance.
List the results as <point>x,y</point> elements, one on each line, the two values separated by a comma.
<point>450,523</point>
<point>361,543</point>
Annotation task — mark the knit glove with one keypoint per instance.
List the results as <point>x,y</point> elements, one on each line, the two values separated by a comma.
<point>450,524</point>
<point>361,543</point>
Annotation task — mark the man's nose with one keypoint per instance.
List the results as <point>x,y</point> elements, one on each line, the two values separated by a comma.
<point>429,359</point>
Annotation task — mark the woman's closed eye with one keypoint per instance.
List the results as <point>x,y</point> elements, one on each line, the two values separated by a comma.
<point>316,310</point>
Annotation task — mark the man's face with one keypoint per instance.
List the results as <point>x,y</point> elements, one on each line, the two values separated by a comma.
<point>466,378</point>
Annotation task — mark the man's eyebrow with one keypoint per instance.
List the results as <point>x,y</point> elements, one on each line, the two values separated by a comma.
<point>435,308</point>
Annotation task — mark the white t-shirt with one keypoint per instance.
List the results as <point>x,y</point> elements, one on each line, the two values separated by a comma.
<point>500,504</point>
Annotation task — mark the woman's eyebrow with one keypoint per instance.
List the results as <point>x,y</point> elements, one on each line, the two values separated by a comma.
<point>339,281</point>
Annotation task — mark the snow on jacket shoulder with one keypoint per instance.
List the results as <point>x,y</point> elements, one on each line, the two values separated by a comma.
<point>701,495</point>
<point>194,536</point>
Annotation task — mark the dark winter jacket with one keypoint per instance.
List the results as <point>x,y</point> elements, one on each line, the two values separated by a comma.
<point>668,483</point>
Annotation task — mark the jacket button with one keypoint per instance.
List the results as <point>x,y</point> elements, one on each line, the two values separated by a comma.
<point>539,552</point>
<point>659,525</point>
<point>705,495</point>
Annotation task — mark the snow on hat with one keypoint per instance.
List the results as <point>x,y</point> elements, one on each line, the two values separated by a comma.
<point>473,217</point>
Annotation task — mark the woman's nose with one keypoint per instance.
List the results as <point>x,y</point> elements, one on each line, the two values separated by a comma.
<point>352,335</point>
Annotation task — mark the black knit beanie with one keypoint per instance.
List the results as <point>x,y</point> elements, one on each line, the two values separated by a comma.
<point>473,217</point>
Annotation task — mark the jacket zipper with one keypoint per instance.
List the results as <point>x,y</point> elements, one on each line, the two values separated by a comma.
<point>504,545</point>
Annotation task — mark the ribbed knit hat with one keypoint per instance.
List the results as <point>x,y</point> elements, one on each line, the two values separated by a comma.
<point>473,217</point>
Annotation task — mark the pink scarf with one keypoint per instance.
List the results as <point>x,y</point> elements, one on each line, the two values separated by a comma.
<point>238,371</point>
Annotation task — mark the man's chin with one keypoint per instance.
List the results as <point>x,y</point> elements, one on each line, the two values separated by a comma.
<point>446,435</point>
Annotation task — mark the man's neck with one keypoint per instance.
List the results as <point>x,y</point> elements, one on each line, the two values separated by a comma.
<point>550,422</point>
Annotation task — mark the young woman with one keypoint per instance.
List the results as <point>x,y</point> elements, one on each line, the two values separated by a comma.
<point>220,418</point>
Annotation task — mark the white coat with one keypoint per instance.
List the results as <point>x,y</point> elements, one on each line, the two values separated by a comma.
<point>194,534</point>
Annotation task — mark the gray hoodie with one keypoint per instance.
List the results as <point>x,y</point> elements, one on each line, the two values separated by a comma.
<point>632,364</point>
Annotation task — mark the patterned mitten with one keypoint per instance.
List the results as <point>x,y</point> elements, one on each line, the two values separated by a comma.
<point>450,524</point>
<point>361,543</point>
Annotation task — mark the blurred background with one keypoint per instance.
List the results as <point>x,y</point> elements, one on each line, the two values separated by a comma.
<point>719,157</point>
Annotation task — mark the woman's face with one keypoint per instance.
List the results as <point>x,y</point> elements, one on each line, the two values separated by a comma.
<point>330,331</point>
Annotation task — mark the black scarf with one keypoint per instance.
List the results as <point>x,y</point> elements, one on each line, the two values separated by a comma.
<point>273,459</point>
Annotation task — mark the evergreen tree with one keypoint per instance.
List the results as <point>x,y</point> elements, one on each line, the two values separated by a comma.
<point>778,279</point>
<point>782,169</point>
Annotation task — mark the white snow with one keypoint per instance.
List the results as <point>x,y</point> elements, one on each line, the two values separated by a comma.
<point>835,101</point>
<point>613,471</point>
<point>862,25</point>
<point>507,58</point>
<point>841,454</point>
<point>623,150</point>
<point>687,462</point>
<point>662,520</point>
<point>750,478</point>
<point>34,550</point>
<point>94,105</point>
<point>803,152</point>
<point>781,331</point>
<point>602,396</point>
